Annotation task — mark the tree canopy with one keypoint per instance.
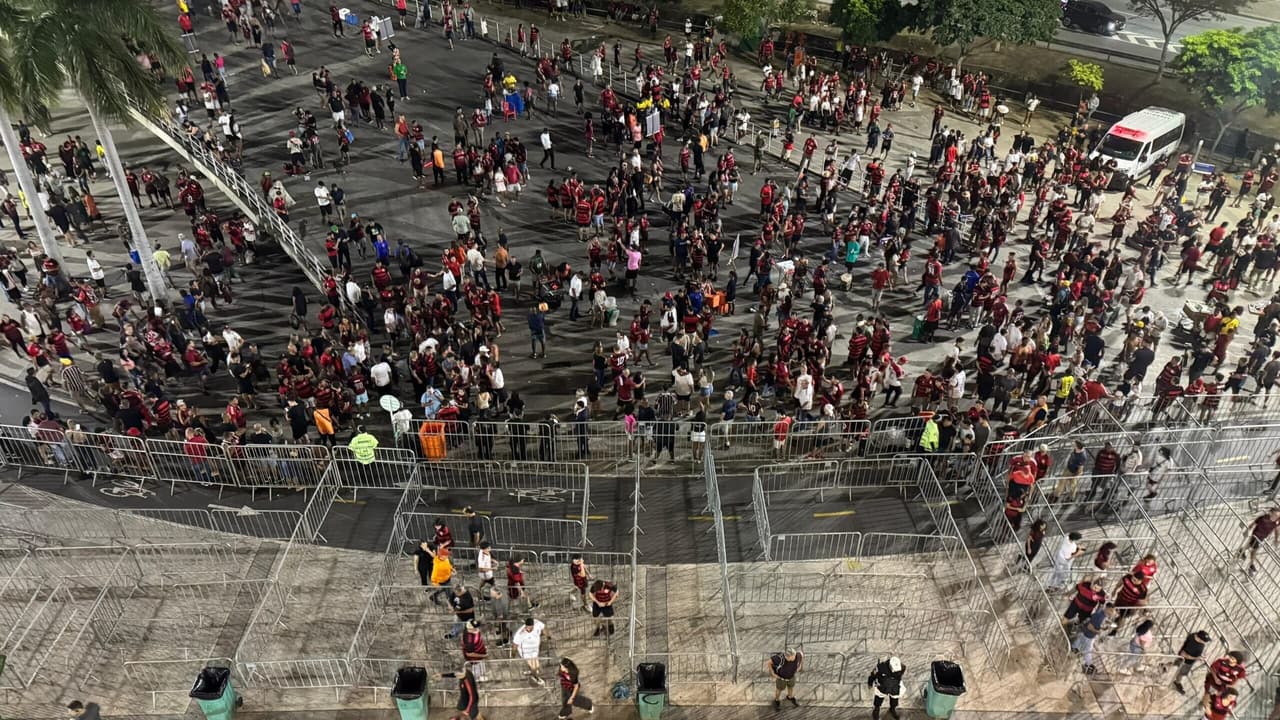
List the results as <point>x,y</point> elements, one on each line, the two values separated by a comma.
<point>963,22</point>
<point>1171,14</point>
<point>863,22</point>
<point>1085,75</point>
<point>749,18</point>
<point>1231,71</point>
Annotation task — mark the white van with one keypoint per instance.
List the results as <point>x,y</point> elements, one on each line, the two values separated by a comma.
<point>1139,139</point>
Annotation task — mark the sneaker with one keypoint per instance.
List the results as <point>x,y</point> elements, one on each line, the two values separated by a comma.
<point>533,605</point>
<point>1125,671</point>
<point>482,678</point>
<point>448,636</point>
<point>1178,686</point>
<point>1090,669</point>
<point>539,681</point>
<point>796,704</point>
<point>777,705</point>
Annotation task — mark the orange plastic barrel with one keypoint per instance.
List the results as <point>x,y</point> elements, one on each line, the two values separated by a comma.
<point>431,439</point>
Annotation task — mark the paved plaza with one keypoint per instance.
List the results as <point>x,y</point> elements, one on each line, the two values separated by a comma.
<point>121,574</point>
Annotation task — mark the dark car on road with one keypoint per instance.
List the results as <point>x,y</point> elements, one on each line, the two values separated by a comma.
<point>1091,16</point>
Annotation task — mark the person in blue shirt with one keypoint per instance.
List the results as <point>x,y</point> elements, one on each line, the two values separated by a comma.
<point>1089,632</point>
<point>537,332</point>
<point>380,249</point>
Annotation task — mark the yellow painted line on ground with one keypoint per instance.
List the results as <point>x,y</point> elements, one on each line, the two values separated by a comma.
<point>350,502</point>
<point>943,503</point>
<point>458,511</point>
<point>1232,459</point>
<point>710,518</point>
<point>836,513</point>
<point>589,517</point>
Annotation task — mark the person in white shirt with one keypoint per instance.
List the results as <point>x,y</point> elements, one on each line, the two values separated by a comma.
<point>484,563</point>
<point>96,273</point>
<point>527,642</point>
<point>324,200</point>
<point>1068,550</point>
<point>548,152</point>
<point>353,291</point>
<point>957,387</point>
<point>381,375</point>
<point>575,294</point>
<point>916,83</point>
<point>233,340</point>
<point>553,96</point>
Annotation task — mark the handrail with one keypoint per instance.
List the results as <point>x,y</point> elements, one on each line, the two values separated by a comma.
<point>247,198</point>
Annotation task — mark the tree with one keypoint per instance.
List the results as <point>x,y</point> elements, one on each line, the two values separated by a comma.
<point>1085,75</point>
<point>1232,71</point>
<point>963,22</point>
<point>750,18</point>
<point>863,22</point>
<point>11,101</point>
<point>87,47</point>
<point>1171,14</point>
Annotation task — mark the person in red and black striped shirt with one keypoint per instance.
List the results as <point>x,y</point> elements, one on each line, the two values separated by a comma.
<point>603,595</point>
<point>1224,673</point>
<point>1089,595</point>
<point>1105,464</point>
<point>468,695</point>
<point>571,690</point>
<point>1131,594</point>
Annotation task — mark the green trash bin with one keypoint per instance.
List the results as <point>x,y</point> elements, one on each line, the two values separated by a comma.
<point>651,690</point>
<point>917,328</point>
<point>215,695</point>
<point>946,685</point>
<point>410,693</point>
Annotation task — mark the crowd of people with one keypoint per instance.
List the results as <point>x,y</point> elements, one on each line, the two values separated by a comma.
<point>995,232</point>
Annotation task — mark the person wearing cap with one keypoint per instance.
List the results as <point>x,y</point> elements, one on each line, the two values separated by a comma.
<point>474,650</point>
<point>885,681</point>
<point>783,668</point>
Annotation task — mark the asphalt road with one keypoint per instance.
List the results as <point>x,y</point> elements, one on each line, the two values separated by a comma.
<point>1142,36</point>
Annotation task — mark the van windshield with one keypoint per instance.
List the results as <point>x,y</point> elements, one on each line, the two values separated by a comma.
<point>1120,148</point>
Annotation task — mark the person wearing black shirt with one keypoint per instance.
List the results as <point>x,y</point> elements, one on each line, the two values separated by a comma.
<point>1142,359</point>
<point>1191,651</point>
<point>783,668</point>
<point>464,609</point>
<point>886,682</point>
<point>136,282</point>
<point>299,420</point>
<point>468,694</point>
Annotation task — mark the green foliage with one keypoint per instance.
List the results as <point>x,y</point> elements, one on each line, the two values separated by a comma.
<point>863,22</point>
<point>1231,71</point>
<point>748,18</point>
<point>55,44</point>
<point>1086,75</point>
<point>962,22</point>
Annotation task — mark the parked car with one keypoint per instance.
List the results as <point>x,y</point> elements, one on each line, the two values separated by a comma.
<point>1091,16</point>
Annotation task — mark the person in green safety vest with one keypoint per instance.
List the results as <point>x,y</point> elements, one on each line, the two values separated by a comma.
<point>363,445</point>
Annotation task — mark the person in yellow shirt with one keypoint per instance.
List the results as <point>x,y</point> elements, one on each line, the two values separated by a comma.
<point>437,163</point>
<point>324,425</point>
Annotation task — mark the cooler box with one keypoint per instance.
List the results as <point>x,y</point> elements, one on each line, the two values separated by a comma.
<point>946,685</point>
<point>651,690</point>
<point>410,693</point>
<point>215,695</point>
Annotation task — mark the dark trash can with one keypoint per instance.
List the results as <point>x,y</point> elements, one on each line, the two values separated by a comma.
<point>651,690</point>
<point>215,694</point>
<point>410,693</point>
<point>946,685</point>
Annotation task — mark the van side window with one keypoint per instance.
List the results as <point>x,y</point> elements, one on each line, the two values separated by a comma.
<point>1166,141</point>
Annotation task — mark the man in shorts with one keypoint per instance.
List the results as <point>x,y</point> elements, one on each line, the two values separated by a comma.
<point>783,668</point>
<point>527,642</point>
